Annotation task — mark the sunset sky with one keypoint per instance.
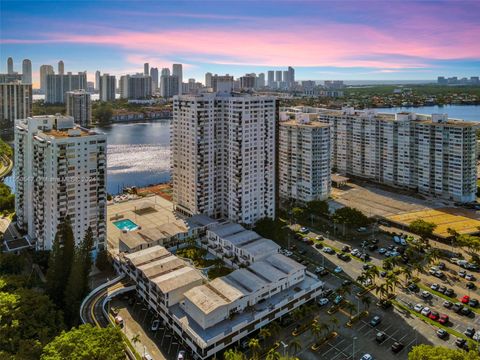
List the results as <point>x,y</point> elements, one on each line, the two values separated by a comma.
<point>354,40</point>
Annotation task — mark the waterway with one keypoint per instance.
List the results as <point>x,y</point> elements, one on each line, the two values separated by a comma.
<point>139,153</point>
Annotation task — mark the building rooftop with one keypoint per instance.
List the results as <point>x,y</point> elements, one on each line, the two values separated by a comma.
<point>227,229</point>
<point>311,124</point>
<point>176,279</point>
<point>284,263</point>
<point>260,247</point>
<point>246,280</point>
<point>161,266</point>
<point>242,237</point>
<point>147,255</point>
<point>266,271</point>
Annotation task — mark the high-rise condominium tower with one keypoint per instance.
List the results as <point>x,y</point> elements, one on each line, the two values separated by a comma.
<point>44,71</point>
<point>107,87</point>
<point>97,80</point>
<point>58,85</point>
<point>223,156</point>
<point>303,158</point>
<point>79,106</point>
<point>10,66</point>
<point>178,72</point>
<point>61,67</point>
<point>278,76</point>
<point>208,80</point>
<point>154,76</point>
<point>15,102</point>
<point>60,172</point>
<point>146,69</point>
<point>433,155</point>
<point>26,71</point>
<point>271,79</point>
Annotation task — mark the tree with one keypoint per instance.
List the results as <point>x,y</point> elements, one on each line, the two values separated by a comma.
<point>28,321</point>
<point>135,339</point>
<point>233,355</point>
<point>77,285</point>
<point>298,213</point>
<point>86,342</point>
<point>11,263</point>
<point>60,262</point>
<point>428,352</point>
<point>351,217</point>
<point>423,228</point>
<point>295,345</point>
<point>366,301</point>
<point>273,355</point>
<point>254,346</point>
<point>318,207</point>
<point>264,333</point>
<point>103,113</point>
<point>101,262</point>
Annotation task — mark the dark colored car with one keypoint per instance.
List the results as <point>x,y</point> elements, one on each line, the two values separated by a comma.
<point>346,248</point>
<point>346,282</point>
<point>457,307</point>
<point>442,289</point>
<point>413,287</point>
<point>441,266</point>
<point>397,346</point>
<point>469,332</point>
<point>470,285</point>
<point>375,320</point>
<point>473,303</point>
<point>381,337</point>
<point>319,245</point>
<point>442,334</point>
<point>372,247</point>
<point>460,342</point>
<point>447,304</point>
<point>466,311</point>
<point>449,292</point>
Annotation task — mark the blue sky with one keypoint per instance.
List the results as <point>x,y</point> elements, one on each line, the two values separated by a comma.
<point>322,39</point>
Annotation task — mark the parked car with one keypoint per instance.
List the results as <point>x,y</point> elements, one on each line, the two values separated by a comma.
<point>346,248</point>
<point>375,320</point>
<point>435,287</point>
<point>434,315</point>
<point>462,273</point>
<point>346,282</point>
<point>412,286</point>
<point>418,307</point>
<point>181,355</point>
<point>323,301</point>
<point>380,337</point>
<point>442,289</point>
<point>155,325</point>
<point>328,250</point>
<point>466,311</point>
<point>426,311</point>
<point>304,230</point>
<point>442,334</point>
<point>397,346</point>
<point>460,342</point>
<point>476,336</point>
<point>343,256</point>
<point>366,357</point>
<point>443,319</point>
<point>470,331</point>
<point>470,285</point>
<point>382,251</point>
<point>469,277</point>
<point>447,304</point>
<point>465,299</point>
<point>372,247</point>
<point>457,307</point>
<point>319,238</point>
<point>426,295</point>
<point>449,292</point>
<point>441,266</point>
<point>338,299</point>
<point>473,303</point>
<point>338,270</point>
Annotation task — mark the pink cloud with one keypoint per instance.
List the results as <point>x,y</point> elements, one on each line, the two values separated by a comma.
<point>325,44</point>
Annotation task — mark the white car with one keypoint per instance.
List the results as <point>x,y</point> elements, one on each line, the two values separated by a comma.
<point>323,301</point>
<point>181,355</point>
<point>426,311</point>
<point>403,242</point>
<point>426,294</point>
<point>469,277</point>
<point>366,357</point>
<point>476,336</point>
<point>155,325</point>
<point>418,307</point>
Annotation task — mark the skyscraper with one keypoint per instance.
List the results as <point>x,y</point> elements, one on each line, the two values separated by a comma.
<point>178,72</point>
<point>223,156</point>
<point>208,80</point>
<point>26,71</point>
<point>291,76</point>
<point>68,165</point>
<point>154,75</point>
<point>146,70</point>
<point>79,106</point>
<point>15,103</point>
<point>222,83</point>
<point>247,82</point>
<point>260,81</point>
<point>44,71</point>
<point>278,76</point>
<point>107,87</point>
<point>58,85</point>
<point>271,78</point>
<point>168,84</point>
<point>61,67</point>
<point>97,80</point>
<point>10,66</point>
<point>139,86</point>
<point>304,158</point>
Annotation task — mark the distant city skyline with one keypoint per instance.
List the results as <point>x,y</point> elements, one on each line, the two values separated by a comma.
<point>346,40</point>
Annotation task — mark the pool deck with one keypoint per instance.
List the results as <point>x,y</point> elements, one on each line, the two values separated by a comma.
<point>146,212</point>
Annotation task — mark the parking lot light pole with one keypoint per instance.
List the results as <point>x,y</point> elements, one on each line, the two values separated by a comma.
<point>353,348</point>
<point>285,346</point>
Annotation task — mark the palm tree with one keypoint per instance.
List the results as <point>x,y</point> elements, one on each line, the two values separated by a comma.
<point>274,328</point>
<point>264,333</point>
<point>392,281</point>
<point>350,307</point>
<point>366,301</point>
<point>295,345</point>
<point>316,330</point>
<point>273,355</point>
<point>334,322</point>
<point>233,355</point>
<point>254,346</point>
<point>135,339</point>
<point>406,271</point>
<point>381,290</point>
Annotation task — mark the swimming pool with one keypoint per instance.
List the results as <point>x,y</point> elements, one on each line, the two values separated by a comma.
<point>125,224</point>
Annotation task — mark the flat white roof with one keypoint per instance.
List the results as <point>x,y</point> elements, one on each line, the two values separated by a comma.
<point>146,255</point>
<point>227,230</point>
<point>242,237</point>
<point>284,263</point>
<point>267,271</point>
<point>248,280</point>
<point>177,279</point>
<point>261,247</point>
<point>161,266</point>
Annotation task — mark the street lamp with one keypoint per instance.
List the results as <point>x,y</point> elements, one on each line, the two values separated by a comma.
<point>285,346</point>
